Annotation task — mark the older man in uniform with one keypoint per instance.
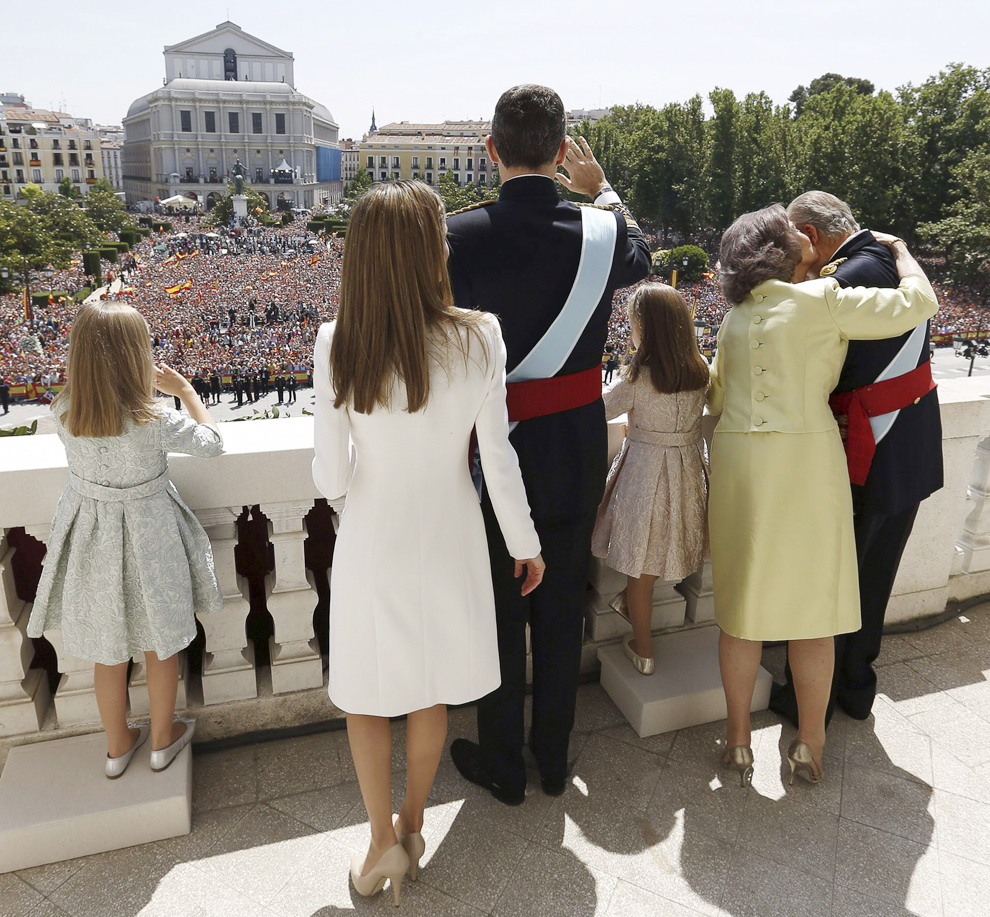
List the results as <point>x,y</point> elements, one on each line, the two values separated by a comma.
<point>548,269</point>
<point>887,403</point>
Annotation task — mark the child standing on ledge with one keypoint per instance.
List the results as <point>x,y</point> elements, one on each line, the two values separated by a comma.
<point>128,566</point>
<point>652,522</point>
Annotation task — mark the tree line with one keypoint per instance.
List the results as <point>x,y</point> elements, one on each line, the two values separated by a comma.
<point>915,162</point>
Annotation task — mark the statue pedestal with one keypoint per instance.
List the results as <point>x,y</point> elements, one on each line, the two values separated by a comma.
<point>240,206</point>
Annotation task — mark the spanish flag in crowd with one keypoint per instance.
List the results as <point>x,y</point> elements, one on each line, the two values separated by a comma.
<point>187,285</point>
<point>173,290</point>
<point>314,259</point>
<point>179,256</point>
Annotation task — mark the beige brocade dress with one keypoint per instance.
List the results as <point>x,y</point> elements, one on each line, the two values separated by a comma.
<point>653,517</point>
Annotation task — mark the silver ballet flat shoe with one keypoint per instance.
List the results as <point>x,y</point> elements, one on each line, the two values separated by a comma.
<point>115,767</point>
<point>162,758</point>
<point>644,665</point>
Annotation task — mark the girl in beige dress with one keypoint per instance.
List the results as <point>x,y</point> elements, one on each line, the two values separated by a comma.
<point>652,520</point>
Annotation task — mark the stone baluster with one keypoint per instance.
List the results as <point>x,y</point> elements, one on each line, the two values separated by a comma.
<point>975,541</point>
<point>228,665</point>
<point>697,589</point>
<point>292,599</point>
<point>75,697</point>
<point>24,693</point>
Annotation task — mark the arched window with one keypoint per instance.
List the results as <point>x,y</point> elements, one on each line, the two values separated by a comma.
<point>229,64</point>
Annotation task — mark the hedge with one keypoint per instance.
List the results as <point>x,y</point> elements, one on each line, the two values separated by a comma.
<point>161,226</point>
<point>91,263</point>
<point>82,294</point>
<point>130,236</point>
<point>145,231</point>
<point>108,254</point>
<point>145,221</point>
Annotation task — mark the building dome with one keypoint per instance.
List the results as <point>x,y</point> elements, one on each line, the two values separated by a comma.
<point>138,106</point>
<point>323,113</point>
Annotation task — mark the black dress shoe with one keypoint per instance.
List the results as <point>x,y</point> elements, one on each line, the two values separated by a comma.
<point>553,786</point>
<point>467,759</point>
<point>857,709</point>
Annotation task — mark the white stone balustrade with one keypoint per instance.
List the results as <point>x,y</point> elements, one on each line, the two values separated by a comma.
<point>292,598</point>
<point>267,464</point>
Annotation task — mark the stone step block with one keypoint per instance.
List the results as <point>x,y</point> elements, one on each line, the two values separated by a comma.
<point>686,689</point>
<point>56,803</point>
<point>603,622</point>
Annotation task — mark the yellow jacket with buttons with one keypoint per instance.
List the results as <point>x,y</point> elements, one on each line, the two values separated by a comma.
<point>780,351</point>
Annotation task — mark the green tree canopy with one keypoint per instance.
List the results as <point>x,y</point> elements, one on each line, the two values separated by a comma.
<point>826,83</point>
<point>107,210</point>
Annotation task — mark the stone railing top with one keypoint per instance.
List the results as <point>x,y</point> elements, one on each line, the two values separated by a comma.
<point>264,462</point>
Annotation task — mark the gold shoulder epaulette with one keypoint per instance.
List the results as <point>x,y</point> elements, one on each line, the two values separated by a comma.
<point>471,207</point>
<point>590,204</point>
<point>831,267</point>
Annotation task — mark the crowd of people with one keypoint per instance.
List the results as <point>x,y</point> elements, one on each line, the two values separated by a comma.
<point>246,305</point>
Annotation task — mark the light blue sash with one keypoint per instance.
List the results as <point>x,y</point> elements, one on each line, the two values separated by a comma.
<point>905,360</point>
<point>598,236</point>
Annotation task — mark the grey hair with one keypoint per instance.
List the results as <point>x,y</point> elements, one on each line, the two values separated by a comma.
<point>759,246</point>
<point>831,216</point>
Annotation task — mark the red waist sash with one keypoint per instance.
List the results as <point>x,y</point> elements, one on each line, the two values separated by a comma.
<point>872,400</point>
<point>541,397</point>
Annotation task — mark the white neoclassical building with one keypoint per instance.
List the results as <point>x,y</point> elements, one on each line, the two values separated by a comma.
<point>227,96</point>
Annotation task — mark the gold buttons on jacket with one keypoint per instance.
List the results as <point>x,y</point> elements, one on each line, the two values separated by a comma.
<point>759,396</point>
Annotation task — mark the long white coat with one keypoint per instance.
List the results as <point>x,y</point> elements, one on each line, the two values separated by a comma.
<point>412,613</point>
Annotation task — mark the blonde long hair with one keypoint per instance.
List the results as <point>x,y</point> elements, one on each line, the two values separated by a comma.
<point>394,292</point>
<point>110,374</point>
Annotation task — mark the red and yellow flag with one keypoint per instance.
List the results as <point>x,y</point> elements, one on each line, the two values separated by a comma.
<point>173,290</point>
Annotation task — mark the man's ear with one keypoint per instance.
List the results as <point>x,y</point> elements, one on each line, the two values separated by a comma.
<point>492,152</point>
<point>562,152</point>
<point>812,233</point>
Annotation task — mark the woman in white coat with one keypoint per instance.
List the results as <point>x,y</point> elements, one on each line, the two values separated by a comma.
<point>402,378</point>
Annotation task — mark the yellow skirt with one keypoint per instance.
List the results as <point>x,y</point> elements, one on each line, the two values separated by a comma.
<point>783,548</point>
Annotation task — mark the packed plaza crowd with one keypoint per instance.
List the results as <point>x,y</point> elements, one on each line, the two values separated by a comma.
<point>245,306</point>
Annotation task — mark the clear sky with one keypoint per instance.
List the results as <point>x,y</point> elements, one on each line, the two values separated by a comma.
<point>428,62</point>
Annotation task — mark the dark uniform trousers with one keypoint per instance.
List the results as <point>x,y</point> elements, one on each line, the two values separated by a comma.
<point>555,616</point>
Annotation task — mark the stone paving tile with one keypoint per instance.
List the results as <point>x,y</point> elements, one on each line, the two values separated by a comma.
<point>554,884</point>
<point>952,636</point>
<point>963,827</point>
<point>908,690</point>
<point>189,890</point>
<point>890,868</point>
<point>758,887</point>
<point>896,648</point>
<point>321,809</point>
<point>321,887</point>
<point>49,877</point>
<point>951,775</point>
<point>657,745</point>
<point>965,886</point>
<point>790,831</point>
<point>890,742</point>
<point>632,901</point>
<point>626,774</point>
<point>474,861</point>
<point>45,909</point>
<point>207,830</point>
<point>225,778</point>
<point>959,730</point>
<point>294,766</point>
<point>255,859</point>
<point>849,903</point>
<point>16,896</point>
<point>595,710</point>
<point>892,804</point>
<point>121,882</point>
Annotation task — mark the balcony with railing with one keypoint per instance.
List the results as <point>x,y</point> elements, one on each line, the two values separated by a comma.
<point>261,662</point>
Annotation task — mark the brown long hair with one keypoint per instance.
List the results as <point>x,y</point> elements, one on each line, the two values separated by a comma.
<point>109,373</point>
<point>668,349</point>
<point>394,291</point>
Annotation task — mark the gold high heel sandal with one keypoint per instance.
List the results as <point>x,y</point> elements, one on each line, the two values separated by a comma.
<point>415,847</point>
<point>740,758</point>
<point>803,763</point>
<point>392,866</point>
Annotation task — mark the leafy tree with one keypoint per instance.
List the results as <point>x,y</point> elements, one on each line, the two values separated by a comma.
<point>764,153</point>
<point>964,234</point>
<point>455,196</point>
<point>826,83</point>
<point>27,242</point>
<point>673,260</point>
<point>67,189</point>
<point>223,211</point>
<point>107,210</point>
<point>723,130</point>
<point>69,227</point>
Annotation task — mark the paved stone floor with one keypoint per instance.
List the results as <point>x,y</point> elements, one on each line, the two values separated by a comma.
<point>901,825</point>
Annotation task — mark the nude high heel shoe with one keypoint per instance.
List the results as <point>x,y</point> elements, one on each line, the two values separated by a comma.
<point>803,763</point>
<point>415,847</point>
<point>740,759</point>
<point>392,867</point>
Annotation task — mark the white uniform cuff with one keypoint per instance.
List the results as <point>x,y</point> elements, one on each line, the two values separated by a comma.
<point>608,197</point>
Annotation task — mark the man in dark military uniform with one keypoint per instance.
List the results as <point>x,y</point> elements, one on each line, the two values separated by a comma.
<point>239,388</point>
<point>4,395</point>
<point>523,258</point>
<point>907,464</point>
<point>291,384</point>
<point>280,387</point>
<point>215,387</point>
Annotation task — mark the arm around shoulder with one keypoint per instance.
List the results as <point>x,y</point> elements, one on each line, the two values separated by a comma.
<point>331,438</point>
<point>869,313</point>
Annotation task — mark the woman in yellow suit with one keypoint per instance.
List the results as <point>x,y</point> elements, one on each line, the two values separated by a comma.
<point>783,550</point>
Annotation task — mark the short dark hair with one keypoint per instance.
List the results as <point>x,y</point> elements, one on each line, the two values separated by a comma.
<point>759,246</point>
<point>529,126</point>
